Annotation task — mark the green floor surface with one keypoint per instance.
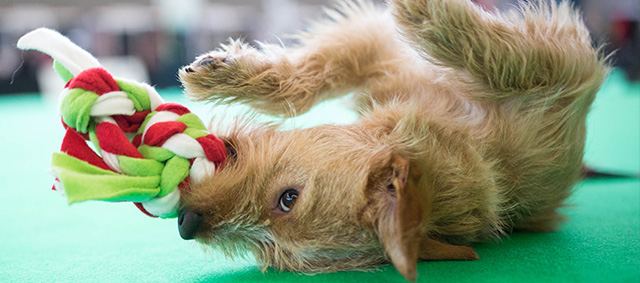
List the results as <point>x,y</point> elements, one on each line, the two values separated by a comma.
<point>44,240</point>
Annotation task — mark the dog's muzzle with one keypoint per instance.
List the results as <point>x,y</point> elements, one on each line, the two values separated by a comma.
<point>189,223</point>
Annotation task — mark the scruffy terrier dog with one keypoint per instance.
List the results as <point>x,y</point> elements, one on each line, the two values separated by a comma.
<point>473,126</point>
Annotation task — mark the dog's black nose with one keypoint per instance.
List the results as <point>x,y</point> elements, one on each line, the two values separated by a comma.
<point>188,223</point>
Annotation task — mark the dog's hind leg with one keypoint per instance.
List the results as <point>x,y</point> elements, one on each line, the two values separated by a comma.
<point>540,69</point>
<point>542,48</point>
<point>334,57</point>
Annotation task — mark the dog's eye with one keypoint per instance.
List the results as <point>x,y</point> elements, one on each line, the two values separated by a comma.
<point>288,199</point>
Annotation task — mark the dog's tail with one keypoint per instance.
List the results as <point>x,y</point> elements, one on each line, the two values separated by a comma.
<point>544,48</point>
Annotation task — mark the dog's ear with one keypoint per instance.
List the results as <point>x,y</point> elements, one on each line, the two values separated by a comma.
<point>401,210</point>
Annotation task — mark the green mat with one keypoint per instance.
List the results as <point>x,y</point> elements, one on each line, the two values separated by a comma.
<point>44,240</point>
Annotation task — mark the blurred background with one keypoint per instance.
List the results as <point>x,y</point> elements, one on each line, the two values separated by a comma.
<point>149,40</point>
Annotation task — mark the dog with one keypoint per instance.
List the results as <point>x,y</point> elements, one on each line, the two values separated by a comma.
<point>472,126</point>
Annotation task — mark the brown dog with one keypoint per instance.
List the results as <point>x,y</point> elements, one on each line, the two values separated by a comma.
<point>473,126</point>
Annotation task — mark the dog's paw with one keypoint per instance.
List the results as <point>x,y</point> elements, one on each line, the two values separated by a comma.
<point>219,74</point>
<point>209,75</point>
<point>230,73</point>
<point>208,63</point>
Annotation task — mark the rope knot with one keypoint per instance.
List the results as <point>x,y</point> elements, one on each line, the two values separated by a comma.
<point>150,151</point>
<point>144,150</point>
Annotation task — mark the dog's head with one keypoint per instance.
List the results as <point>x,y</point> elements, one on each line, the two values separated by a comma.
<point>321,199</point>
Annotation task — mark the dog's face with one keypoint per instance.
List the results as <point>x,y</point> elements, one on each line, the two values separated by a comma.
<point>317,199</point>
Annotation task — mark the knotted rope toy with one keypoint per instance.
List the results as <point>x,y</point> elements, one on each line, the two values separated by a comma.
<point>146,151</point>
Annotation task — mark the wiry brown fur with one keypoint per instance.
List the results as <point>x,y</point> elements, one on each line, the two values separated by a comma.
<point>472,126</point>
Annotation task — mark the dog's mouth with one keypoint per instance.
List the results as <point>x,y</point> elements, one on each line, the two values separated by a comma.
<point>189,220</point>
<point>232,152</point>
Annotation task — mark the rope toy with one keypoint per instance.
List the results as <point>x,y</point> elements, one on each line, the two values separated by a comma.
<point>146,151</point>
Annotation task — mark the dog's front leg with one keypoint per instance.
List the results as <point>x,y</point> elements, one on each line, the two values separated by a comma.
<point>431,249</point>
<point>334,57</point>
